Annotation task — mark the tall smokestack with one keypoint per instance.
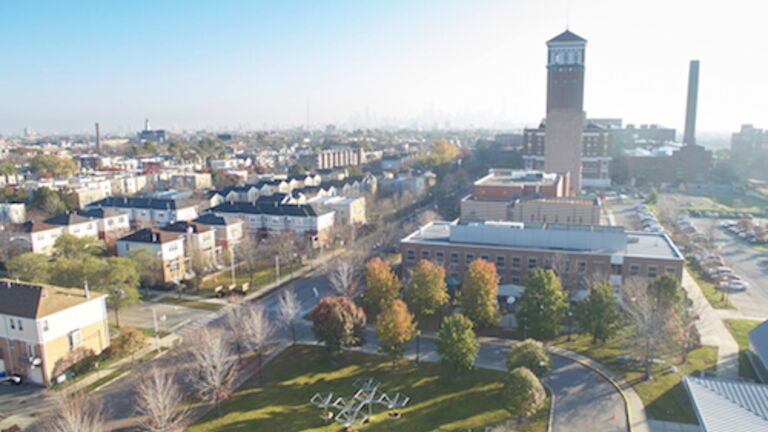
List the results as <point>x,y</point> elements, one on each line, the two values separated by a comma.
<point>146,124</point>
<point>689,137</point>
<point>98,139</point>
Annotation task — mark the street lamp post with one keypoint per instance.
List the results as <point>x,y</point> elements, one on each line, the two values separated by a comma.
<point>232,263</point>
<point>570,324</point>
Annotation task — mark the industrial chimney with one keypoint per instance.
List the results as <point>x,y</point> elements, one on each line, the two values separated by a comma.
<point>98,139</point>
<point>689,137</point>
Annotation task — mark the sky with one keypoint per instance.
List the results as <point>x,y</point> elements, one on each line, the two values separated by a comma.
<point>265,64</point>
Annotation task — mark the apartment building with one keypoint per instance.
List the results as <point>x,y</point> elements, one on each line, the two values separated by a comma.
<point>43,324</point>
<point>111,223</point>
<point>335,158</point>
<point>349,211</point>
<point>311,224</point>
<point>37,237</point>
<point>168,247</point>
<point>198,239</point>
<point>75,224</point>
<point>147,212</point>
<point>580,252</point>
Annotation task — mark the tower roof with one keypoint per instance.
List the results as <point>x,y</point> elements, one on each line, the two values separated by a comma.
<point>567,36</point>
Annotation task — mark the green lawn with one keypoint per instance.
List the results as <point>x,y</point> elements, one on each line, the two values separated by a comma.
<point>260,278</point>
<point>739,330</point>
<point>664,397</point>
<point>439,401</point>
<point>714,297</point>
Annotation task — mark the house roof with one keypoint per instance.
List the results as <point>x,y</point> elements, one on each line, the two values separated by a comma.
<point>270,209</point>
<point>67,219</point>
<point>149,235</point>
<point>141,202</point>
<point>32,300</point>
<point>567,36</point>
<point>32,226</point>
<point>101,213</point>
<point>212,219</point>
<point>728,406</point>
<point>184,227</point>
<point>758,337</point>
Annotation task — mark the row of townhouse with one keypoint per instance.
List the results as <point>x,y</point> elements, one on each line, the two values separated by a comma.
<point>92,188</point>
<point>39,237</point>
<point>312,224</point>
<point>145,212</point>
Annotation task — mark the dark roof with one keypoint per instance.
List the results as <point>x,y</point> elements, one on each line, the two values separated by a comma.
<point>101,213</point>
<point>279,198</point>
<point>305,210</point>
<point>32,226</point>
<point>148,235</point>
<point>212,219</point>
<point>184,227</point>
<point>567,36</point>
<point>66,219</point>
<point>140,202</point>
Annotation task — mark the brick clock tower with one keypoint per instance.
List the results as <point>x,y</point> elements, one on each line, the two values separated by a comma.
<point>565,107</point>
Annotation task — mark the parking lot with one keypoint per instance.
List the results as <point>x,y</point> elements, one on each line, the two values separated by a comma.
<point>746,262</point>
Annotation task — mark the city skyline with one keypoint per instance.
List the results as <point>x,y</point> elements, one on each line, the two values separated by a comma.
<point>263,65</point>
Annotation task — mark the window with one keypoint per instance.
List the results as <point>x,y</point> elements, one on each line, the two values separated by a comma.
<point>582,267</point>
<point>454,257</point>
<point>440,257</point>
<point>410,255</point>
<point>485,257</point>
<point>425,254</point>
<point>671,270</point>
<point>547,263</point>
<point>514,280</point>
<point>616,269</point>
<point>75,339</point>
<point>468,258</point>
<point>531,262</point>
<point>634,270</point>
<point>21,325</point>
<point>500,259</point>
<point>515,263</point>
<point>653,271</point>
<point>13,324</point>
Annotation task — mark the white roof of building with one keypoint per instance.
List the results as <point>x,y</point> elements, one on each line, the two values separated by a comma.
<point>728,406</point>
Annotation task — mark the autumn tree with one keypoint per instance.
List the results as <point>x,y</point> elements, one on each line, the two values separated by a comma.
<point>29,267</point>
<point>543,305</point>
<point>479,293</point>
<point>426,291</point>
<point>57,166</point>
<point>395,327</point>
<point>523,393</point>
<point>457,344</point>
<point>442,152</point>
<point>530,354</point>
<point>598,315</point>
<point>382,286</point>
<point>338,323</point>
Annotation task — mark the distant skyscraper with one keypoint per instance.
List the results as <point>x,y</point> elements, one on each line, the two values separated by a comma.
<point>565,106</point>
<point>689,137</point>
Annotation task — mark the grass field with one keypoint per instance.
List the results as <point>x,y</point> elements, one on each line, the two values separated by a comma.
<point>739,329</point>
<point>714,297</point>
<point>664,397</point>
<point>261,278</point>
<point>439,400</point>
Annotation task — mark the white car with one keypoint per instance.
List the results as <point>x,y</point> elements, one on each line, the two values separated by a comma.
<point>733,285</point>
<point>720,270</point>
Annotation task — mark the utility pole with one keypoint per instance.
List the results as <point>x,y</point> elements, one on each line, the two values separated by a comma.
<point>232,263</point>
<point>277,268</point>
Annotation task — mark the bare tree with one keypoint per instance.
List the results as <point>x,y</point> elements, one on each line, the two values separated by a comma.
<point>344,274</point>
<point>213,368</point>
<point>249,255</point>
<point>289,311</point>
<point>251,328</point>
<point>647,318</point>
<point>74,412</point>
<point>200,263</point>
<point>159,400</point>
<point>428,216</point>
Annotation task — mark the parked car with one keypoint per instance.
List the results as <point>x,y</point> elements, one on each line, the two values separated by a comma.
<point>733,285</point>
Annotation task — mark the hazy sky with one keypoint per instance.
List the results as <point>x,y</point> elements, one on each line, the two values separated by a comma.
<point>214,64</point>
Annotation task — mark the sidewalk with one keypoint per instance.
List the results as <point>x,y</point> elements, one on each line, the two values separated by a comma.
<point>712,330</point>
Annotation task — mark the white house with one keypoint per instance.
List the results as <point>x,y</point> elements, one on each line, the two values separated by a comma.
<point>145,212</point>
<point>37,237</point>
<point>76,225</point>
<point>167,247</point>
